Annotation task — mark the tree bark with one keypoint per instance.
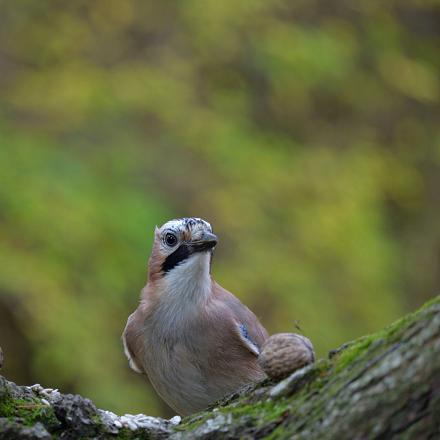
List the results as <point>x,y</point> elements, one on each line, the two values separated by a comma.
<point>381,386</point>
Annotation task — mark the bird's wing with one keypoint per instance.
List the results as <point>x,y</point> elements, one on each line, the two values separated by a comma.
<point>243,334</point>
<point>247,326</point>
<point>130,340</point>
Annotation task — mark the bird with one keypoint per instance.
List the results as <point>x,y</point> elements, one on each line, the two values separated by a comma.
<point>193,339</point>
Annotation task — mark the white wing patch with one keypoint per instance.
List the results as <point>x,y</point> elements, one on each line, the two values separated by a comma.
<point>244,336</point>
<point>131,361</point>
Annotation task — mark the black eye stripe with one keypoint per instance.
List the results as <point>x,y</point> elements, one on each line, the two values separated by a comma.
<point>179,255</point>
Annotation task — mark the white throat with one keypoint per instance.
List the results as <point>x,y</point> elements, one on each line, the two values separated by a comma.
<point>189,283</point>
<point>182,294</point>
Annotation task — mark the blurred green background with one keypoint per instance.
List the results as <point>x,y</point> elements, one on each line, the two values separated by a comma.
<point>306,132</point>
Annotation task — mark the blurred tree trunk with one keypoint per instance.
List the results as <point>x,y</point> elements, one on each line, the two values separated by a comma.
<point>382,386</point>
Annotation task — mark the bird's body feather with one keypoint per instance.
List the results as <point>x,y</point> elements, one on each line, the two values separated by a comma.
<point>195,340</point>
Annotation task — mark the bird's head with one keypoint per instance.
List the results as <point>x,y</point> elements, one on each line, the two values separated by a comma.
<point>182,247</point>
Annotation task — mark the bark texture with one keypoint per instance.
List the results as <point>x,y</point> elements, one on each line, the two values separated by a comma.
<point>382,386</point>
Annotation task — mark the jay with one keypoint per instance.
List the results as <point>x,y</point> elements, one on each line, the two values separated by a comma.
<point>194,340</point>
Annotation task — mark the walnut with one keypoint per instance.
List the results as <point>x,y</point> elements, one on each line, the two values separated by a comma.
<point>283,353</point>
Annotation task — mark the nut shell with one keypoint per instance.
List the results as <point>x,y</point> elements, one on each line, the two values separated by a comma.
<point>283,353</point>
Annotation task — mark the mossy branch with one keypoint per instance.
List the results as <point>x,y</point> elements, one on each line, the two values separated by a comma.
<point>385,385</point>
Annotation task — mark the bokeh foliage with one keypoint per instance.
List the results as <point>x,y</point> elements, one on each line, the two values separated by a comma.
<point>307,132</point>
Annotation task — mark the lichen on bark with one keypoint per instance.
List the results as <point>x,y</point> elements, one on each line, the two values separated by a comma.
<point>384,385</point>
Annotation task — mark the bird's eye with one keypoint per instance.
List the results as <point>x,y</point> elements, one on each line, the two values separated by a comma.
<point>170,239</point>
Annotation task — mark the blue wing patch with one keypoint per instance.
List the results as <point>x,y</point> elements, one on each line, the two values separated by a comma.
<point>245,336</point>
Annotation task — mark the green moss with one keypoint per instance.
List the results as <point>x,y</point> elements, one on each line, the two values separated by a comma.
<point>279,433</point>
<point>28,411</point>
<point>192,423</point>
<point>429,304</point>
<point>405,321</point>
<point>6,407</point>
<point>348,355</point>
<point>260,413</point>
<point>389,334</point>
<point>124,434</point>
<point>96,419</point>
<point>266,410</point>
<point>127,434</point>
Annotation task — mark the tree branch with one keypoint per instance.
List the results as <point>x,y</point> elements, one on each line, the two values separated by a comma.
<point>383,386</point>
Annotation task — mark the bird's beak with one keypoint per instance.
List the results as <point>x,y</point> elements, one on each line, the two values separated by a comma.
<point>207,241</point>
